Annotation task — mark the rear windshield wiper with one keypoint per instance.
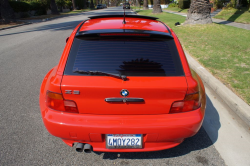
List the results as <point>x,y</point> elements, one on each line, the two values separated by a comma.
<point>123,77</point>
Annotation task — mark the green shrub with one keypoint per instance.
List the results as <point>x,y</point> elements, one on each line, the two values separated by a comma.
<point>230,5</point>
<point>39,6</point>
<point>173,5</point>
<point>18,6</point>
<point>60,3</point>
<point>244,3</point>
<point>68,4</point>
<point>218,4</point>
<point>184,4</point>
<point>79,4</point>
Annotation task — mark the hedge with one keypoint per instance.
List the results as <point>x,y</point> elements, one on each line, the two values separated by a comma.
<point>39,7</point>
<point>18,6</point>
<point>184,4</point>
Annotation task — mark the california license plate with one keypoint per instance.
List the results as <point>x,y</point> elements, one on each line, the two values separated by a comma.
<point>123,141</point>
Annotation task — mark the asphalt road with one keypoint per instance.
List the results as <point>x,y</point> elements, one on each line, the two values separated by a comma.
<point>27,53</point>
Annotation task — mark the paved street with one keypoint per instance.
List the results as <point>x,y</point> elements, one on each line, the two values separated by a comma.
<point>27,53</point>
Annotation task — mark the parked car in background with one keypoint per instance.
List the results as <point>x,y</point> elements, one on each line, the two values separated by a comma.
<point>99,6</point>
<point>104,5</point>
<point>122,87</point>
<point>126,6</point>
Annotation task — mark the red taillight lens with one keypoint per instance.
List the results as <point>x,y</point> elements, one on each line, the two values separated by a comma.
<point>190,103</point>
<point>70,106</point>
<point>55,101</point>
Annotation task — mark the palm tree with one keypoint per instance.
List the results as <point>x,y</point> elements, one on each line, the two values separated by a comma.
<point>199,12</point>
<point>6,11</point>
<point>157,6</point>
<point>145,5</point>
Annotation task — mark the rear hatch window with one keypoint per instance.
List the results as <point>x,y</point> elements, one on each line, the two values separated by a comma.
<point>153,69</point>
<point>125,56</point>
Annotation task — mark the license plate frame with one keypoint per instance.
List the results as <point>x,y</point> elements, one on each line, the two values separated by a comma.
<point>107,136</point>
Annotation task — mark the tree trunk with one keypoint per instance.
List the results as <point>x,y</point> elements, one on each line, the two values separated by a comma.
<point>53,7</point>
<point>137,3</point>
<point>157,7</point>
<point>91,4</point>
<point>237,4</point>
<point>84,4</point>
<point>74,4</point>
<point>145,5</point>
<point>7,13</point>
<point>199,12</point>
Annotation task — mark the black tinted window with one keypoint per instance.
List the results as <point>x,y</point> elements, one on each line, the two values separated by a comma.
<point>130,57</point>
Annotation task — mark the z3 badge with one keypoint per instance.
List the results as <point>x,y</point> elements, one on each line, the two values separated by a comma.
<point>75,92</point>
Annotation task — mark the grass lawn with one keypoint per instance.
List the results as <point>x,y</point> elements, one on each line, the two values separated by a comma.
<point>136,8</point>
<point>235,15</point>
<point>176,9</point>
<point>76,11</point>
<point>223,50</point>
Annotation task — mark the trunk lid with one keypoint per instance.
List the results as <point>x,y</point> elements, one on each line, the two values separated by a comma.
<point>158,93</point>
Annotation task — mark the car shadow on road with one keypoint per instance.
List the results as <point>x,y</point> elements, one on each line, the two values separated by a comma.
<point>198,142</point>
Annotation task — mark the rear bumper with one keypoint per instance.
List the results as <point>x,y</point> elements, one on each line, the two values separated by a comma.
<point>159,131</point>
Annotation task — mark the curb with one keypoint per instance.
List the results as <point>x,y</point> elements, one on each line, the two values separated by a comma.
<point>241,108</point>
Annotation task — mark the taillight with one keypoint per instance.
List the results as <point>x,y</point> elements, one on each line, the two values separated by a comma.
<point>190,103</point>
<point>55,101</point>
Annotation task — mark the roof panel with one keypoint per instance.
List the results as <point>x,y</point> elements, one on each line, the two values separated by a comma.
<point>131,23</point>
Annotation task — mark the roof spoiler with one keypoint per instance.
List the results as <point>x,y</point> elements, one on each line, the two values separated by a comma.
<point>129,32</point>
<point>130,16</point>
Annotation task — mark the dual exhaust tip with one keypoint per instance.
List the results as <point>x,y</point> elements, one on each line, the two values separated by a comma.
<point>80,147</point>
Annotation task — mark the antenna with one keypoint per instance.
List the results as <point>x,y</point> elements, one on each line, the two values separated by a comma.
<point>124,22</point>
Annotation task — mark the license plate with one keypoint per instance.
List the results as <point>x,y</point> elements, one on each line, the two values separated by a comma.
<point>123,141</point>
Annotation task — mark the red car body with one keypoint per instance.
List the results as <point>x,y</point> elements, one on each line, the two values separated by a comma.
<point>92,117</point>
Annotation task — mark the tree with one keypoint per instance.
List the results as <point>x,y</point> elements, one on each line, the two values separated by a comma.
<point>92,4</point>
<point>6,11</point>
<point>199,12</point>
<point>157,6</point>
<point>53,7</point>
<point>84,4</point>
<point>137,3</point>
<point>74,4</point>
<point>145,5</point>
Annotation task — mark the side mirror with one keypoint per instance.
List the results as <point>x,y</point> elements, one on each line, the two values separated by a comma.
<point>67,39</point>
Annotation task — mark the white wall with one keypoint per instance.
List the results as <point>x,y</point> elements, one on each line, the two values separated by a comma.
<point>162,6</point>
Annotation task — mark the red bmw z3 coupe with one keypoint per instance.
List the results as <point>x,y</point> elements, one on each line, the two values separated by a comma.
<point>122,85</point>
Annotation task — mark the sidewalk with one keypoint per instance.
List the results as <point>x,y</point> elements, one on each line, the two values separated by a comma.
<point>229,23</point>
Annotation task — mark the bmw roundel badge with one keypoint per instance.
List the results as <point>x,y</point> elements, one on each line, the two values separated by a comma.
<point>124,93</point>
